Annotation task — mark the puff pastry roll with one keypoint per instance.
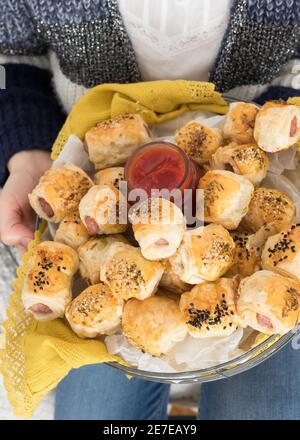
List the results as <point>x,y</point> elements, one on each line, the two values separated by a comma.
<point>281,252</point>
<point>59,192</point>
<point>111,142</point>
<point>96,311</point>
<point>71,231</point>
<point>103,210</point>
<point>246,160</point>
<point>239,123</point>
<point>248,250</point>
<point>154,325</point>
<point>48,280</point>
<point>91,255</point>
<point>269,302</point>
<point>170,280</point>
<point>128,273</point>
<point>206,253</point>
<point>158,227</point>
<point>226,197</point>
<point>277,126</point>
<point>269,207</point>
<point>198,141</point>
<point>110,176</point>
<point>209,309</point>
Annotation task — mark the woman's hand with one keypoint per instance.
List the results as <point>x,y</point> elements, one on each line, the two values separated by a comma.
<point>17,218</point>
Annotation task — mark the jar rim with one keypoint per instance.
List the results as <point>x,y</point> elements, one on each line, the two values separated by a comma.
<point>149,145</point>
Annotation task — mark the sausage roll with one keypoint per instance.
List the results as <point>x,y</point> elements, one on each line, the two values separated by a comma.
<point>96,311</point>
<point>226,197</point>
<point>103,210</point>
<point>277,126</point>
<point>59,192</point>
<point>91,255</point>
<point>282,252</point>
<point>128,273</point>
<point>206,253</point>
<point>158,227</point>
<point>269,302</point>
<point>48,280</point>
<point>154,325</point>
<point>269,207</point>
<point>239,123</point>
<point>110,176</point>
<point>248,250</point>
<point>170,281</point>
<point>209,309</point>
<point>247,160</point>
<point>111,142</point>
<point>71,231</point>
<point>198,141</point>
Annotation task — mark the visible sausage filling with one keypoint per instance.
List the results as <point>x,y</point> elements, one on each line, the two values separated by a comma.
<point>293,129</point>
<point>46,207</point>
<point>263,321</point>
<point>40,308</point>
<point>228,167</point>
<point>91,225</point>
<point>162,242</point>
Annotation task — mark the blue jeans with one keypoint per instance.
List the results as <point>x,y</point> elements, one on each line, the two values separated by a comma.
<point>269,391</point>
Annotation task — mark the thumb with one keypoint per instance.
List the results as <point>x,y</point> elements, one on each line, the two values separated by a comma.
<point>17,235</point>
<point>12,230</point>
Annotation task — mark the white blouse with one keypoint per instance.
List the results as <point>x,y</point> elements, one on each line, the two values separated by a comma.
<point>175,38</point>
<point>172,39</point>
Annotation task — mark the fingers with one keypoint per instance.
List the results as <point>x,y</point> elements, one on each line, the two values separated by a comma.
<point>21,249</point>
<point>12,229</point>
<point>16,216</point>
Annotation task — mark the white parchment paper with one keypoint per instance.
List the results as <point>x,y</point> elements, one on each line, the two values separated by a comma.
<point>192,353</point>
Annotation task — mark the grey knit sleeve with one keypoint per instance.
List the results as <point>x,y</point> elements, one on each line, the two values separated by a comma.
<point>18,34</point>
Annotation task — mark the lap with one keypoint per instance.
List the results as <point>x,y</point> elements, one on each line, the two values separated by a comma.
<point>269,391</point>
<point>100,392</point>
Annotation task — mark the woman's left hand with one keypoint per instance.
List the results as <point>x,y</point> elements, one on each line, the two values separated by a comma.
<point>17,218</point>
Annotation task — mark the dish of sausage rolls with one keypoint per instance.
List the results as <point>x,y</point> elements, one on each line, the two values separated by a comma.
<point>134,260</point>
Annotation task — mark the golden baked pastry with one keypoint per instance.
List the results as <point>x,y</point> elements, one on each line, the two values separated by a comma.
<point>158,227</point>
<point>206,253</point>
<point>226,197</point>
<point>239,123</point>
<point>198,141</point>
<point>277,126</point>
<point>154,325</point>
<point>128,273</point>
<point>96,311</point>
<point>209,309</point>
<point>281,252</point>
<point>47,285</point>
<point>247,160</point>
<point>103,210</point>
<point>269,302</point>
<point>269,207</point>
<point>111,142</point>
<point>59,192</point>
<point>71,231</point>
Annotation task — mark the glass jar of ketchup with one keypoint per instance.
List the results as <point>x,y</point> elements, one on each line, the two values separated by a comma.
<point>161,165</point>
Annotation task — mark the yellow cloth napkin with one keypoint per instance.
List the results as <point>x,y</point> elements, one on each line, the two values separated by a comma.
<point>155,101</point>
<point>37,355</point>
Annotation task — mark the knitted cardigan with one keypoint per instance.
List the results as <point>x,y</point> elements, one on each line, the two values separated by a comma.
<point>91,45</point>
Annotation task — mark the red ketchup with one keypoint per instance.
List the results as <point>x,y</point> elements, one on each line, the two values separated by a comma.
<point>161,165</point>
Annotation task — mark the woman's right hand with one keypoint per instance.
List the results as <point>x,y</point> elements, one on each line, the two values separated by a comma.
<point>17,219</point>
